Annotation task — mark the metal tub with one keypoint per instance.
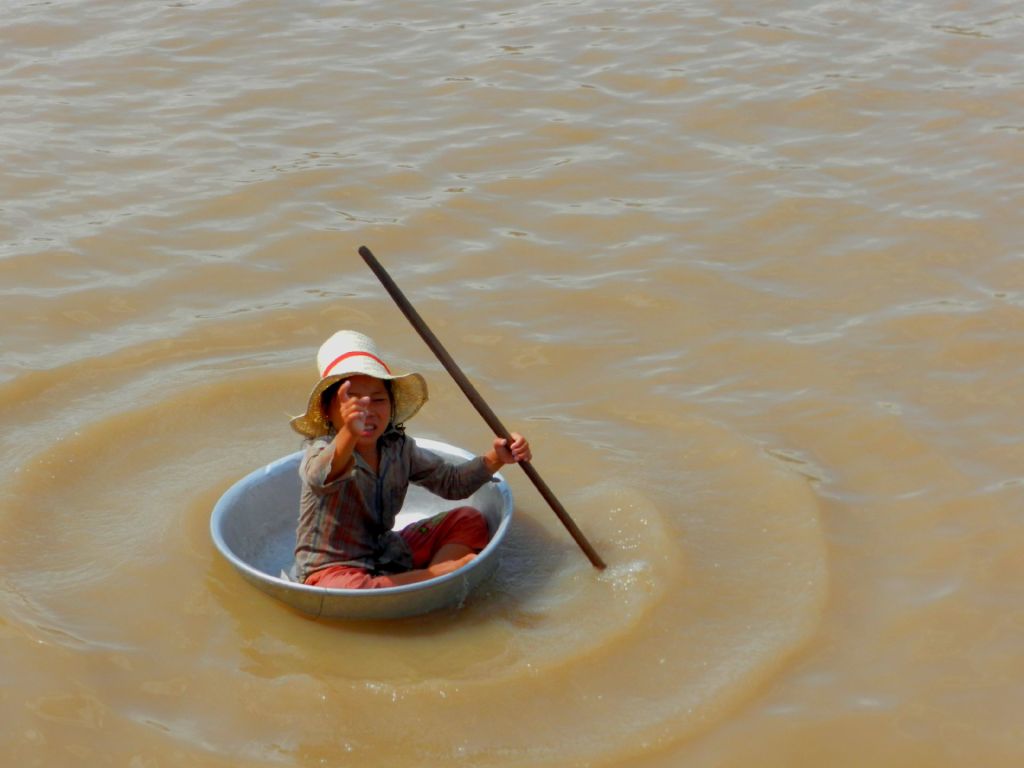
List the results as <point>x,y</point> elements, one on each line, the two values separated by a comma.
<point>253,526</point>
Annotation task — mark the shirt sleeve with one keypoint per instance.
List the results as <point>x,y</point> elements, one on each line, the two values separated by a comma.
<point>447,480</point>
<point>316,466</point>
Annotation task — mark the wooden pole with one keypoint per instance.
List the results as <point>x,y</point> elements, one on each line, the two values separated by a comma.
<point>475,398</point>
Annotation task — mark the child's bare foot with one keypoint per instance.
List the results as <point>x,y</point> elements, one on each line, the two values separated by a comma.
<point>432,571</point>
<point>447,566</point>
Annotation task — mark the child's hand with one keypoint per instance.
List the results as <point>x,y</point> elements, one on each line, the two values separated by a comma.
<point>511,453</point>
<point>350,412</point>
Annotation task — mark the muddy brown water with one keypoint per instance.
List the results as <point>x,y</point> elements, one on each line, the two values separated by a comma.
<point>749,279</point>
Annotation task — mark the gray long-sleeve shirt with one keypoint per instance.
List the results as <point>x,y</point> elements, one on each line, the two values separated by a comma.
<point>348,521</point>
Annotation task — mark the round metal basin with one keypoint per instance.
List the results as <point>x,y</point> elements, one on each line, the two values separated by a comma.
<point>253,526</point>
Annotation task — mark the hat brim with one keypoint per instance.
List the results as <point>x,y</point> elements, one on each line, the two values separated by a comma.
<point>408,394</point>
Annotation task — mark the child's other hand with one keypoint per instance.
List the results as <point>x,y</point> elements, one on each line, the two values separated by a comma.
<point>516,451</point>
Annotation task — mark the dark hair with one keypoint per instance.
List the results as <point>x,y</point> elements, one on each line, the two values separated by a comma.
<point>328,395</point>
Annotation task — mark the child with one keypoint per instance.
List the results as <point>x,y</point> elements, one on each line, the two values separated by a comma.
<point>357,467</point>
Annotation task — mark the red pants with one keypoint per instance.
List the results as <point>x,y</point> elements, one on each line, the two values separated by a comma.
<point>462,525</point>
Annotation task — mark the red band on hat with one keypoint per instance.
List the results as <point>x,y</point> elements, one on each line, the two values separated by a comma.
<point>347,355</point>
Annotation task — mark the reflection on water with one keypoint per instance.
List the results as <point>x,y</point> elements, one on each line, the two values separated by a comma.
<point>747,279</point>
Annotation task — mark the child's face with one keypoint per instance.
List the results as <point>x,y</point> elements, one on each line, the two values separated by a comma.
<point>378,410</point>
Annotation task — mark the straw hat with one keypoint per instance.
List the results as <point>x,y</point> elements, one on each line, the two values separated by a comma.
<point>348,353</point>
